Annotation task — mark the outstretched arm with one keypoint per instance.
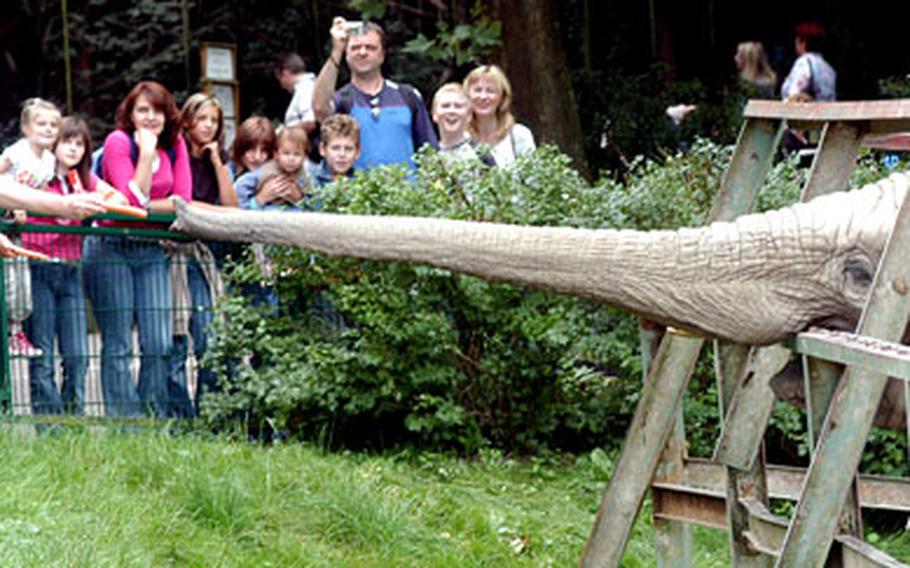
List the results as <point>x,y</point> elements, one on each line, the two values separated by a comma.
<point>75,206</point>
<point>324,89</point>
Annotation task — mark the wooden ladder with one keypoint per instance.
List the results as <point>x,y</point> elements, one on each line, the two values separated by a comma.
<point>732,490</point>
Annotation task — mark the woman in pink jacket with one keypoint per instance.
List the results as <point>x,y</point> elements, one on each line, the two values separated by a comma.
<point>127,278</point>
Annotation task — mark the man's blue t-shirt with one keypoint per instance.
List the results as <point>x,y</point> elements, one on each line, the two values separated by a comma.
<point>390,132</point>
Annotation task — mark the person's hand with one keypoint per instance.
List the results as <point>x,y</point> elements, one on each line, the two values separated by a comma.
<point>339,34</point>
<point>82,205</point>
<point>678,113</point>
<point>147,141</point>
<point>115,197</point>
<point>274,189</point>
<point>19,216</point>
<point>6,247</point>
<point>214,152</point>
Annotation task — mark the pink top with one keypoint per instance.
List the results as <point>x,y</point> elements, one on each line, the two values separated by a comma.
<point>65,246</point>
<point>169,179</point>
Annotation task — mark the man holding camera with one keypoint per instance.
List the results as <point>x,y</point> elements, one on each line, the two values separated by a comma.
<point>393,119</point>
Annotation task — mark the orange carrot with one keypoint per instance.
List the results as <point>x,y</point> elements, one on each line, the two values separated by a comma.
<point>125,210</point>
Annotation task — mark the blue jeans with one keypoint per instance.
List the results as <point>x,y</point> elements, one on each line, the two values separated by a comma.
<point>200,320</point>
<point>59,310</point>
<point>127,280</point>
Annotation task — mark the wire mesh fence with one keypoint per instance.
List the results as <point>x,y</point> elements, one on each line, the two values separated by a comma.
<point>113,322</point>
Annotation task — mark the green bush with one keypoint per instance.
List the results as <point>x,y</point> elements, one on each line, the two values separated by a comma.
<point>434,359</point>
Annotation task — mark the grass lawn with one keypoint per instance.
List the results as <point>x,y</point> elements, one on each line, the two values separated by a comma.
<point>147,499</point>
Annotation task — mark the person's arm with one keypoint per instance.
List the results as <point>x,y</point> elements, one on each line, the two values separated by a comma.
<point>182,185</point>
<point>422,128</point>
<point>226,193</point>
<point>76,206</point>
<point>132,180</point>
<point>524,140</point>
<point>324,89</point>
<point>5,165</point>
<point>277,187</point>
<point>245,187</point>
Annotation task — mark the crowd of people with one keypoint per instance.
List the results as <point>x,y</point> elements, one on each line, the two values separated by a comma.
<point>811,78</point>
<point>165,290</point>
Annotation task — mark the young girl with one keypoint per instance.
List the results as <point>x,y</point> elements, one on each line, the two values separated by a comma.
<point>194,274</point>
<point>281,183</point>
<point>31,163</point>
<point>59,308</point>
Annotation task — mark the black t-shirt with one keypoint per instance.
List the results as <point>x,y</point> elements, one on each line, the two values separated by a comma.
<point>205,182</point>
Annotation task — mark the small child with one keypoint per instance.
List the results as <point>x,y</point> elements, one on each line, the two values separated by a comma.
<point>289,163</point>
<point>452,113</point>
<point>339,146</point>
<point>59,310</point>
<point>31,162</point>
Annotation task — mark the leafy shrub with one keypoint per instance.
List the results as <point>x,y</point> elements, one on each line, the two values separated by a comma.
<point>436,359</point>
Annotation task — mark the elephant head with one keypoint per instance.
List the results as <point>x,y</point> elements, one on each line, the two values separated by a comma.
<point>754,280</point>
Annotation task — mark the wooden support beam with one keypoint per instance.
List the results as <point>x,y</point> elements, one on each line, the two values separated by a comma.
<point>853,408</point>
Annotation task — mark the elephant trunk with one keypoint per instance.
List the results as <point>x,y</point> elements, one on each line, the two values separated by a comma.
<point>713,280</point>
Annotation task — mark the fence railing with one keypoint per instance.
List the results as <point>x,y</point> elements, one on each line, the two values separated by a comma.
<point>112,325</point>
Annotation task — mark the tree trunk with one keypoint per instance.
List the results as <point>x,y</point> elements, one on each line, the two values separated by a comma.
<point>534,59</point>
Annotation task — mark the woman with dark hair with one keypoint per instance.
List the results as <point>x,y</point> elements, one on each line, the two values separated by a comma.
<point>253,145</point>
<point>59,302</point>
<point>127,278</point>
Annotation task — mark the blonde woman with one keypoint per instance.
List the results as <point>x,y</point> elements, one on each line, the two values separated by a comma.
<point>754,70</point>
<point>492,122</point>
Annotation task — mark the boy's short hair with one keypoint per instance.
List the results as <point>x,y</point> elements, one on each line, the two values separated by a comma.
<point>340,126</point>
<point>449,88</point>
<point>294,134</point>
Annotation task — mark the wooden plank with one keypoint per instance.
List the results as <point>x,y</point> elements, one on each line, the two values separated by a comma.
<point>835,159</point>
<point>887,357</point>
<point>733,374</point>
<point>784,482</point>
<point>852,411</point>
<point>661,397</point>
<point>654,418</point>
<point>747,418</point>
<point>855,553</point>
<point>853,111</point>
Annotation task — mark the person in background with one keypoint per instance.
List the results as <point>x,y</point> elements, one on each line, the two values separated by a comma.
<point>492,122</point>
<point>811,78</point>
<point>195,279</point>
<point>127,278</point>
<point>339,146</point>
<point>755,73</point>
<point>394,122</point>
<point>291,73</point>
<point>59,301</point>
<point>253,146</point>
<point>29,161</point>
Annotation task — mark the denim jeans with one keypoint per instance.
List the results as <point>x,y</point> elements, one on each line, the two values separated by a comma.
<point>200,320</point>
<point>127,280</point>
<point>59,311</point>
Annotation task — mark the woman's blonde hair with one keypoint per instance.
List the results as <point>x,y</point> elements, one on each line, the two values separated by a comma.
<point>754,61</point>
<point>504,118</point>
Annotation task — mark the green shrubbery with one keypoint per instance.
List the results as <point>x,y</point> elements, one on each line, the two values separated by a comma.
<point>437,359</point>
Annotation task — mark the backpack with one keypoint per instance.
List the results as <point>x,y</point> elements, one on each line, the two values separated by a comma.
<point>98,157</point>
<point>346,103</point>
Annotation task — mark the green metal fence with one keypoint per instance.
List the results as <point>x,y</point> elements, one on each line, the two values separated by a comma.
<point>125,347</point>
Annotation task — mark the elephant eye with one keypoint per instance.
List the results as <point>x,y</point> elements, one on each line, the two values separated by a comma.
<point>858,273</point>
